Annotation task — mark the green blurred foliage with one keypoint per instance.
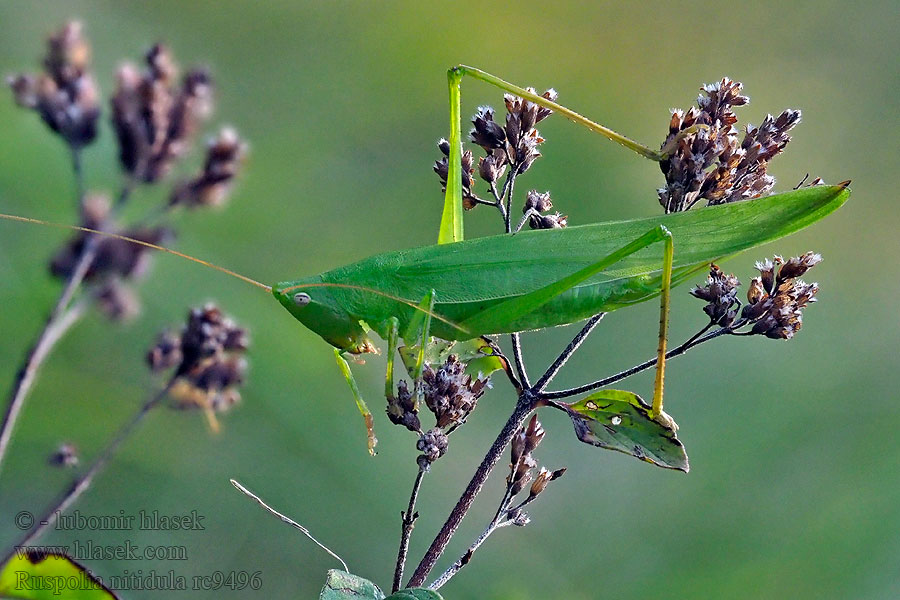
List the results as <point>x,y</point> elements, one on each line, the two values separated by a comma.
<point>794,488</point>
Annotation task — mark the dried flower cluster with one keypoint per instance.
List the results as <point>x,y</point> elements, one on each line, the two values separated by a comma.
<point>155,118</point>
<point>433,445</point>
<point>207,357</point>
<point>117,262</point>
<point>537,203</point>
<point>775,301</point>
<point>451,394</point>
<point>65,94</point>
<point>442,167</point>
<point>521,467</point>
<point>510,150</point>
<point>720,292</point>
<point>403,409</point>
<point>66,455</point>
<point>211,186</point>
<point>707,160</point>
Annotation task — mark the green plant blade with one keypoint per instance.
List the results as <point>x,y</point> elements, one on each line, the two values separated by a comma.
<point>619,420</point>
<point>340,585</point>
<point>50,576</point>
<point>415,594</point>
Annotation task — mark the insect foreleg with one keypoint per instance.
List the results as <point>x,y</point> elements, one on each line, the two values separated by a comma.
<point>360,403</point>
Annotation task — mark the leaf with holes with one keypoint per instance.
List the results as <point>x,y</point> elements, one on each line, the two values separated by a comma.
<point>35,576</point>
<point>619,420</point>
<point>341,585</point>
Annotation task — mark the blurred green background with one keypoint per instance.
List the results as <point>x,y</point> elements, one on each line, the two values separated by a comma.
<point>794,490</point>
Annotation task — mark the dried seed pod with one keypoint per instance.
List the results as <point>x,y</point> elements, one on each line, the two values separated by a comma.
<point>154,120</point>
<point>720,293</point>
<point>65,94</point>
<point>211,186</point>
<point>707,160</point>
<point>775,302</point>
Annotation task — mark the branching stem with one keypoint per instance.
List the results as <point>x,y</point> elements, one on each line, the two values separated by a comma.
<point>408,523</point>
<point>84,482</point>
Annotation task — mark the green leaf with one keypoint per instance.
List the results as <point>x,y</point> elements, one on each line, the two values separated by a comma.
<point>619,420</point>
<point>477,355</point>
<point>415,594</point>
<point>50,576</point>
<point>340,585</point>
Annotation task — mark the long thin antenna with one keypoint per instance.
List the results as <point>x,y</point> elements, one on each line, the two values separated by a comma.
<point>125,238</point>
<point>287,520</point>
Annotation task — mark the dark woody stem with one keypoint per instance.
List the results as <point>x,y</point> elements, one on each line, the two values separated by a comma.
<point>524,406</point>
<point>501,520</point>
<point>677,351</point>
<point>81,485</point>
<point>409,519</point>
<point>566,354</point>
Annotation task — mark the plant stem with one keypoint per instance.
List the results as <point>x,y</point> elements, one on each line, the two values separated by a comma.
<point>694,341</point>
<point>409,520</point>
<point>566,354</point>
<point>463,560</point>
<point>84,482</point>
<point>524,406</point>
<point>520,364</point>
<point>54,329</point>
<point>58,322</point>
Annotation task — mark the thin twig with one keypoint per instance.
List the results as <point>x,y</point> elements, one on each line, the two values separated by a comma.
<point>54,329</point>
<point>520,364</point>
<point>57,322</point>
<point>463,560</point>
<point>409,519</point>
<point>287,520</point>
<point>84,482</point>
<point>637,368</point>
<point>566,354</point>
<point>523,408</point>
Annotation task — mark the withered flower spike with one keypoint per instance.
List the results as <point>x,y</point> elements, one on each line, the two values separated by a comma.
<point>551,221</point>
<point>720,293</point>
<point>442,166</point>
<point>487,133</point>
<point>154,120</point>
<point>451,394</point>
<point>65,94</point>
<point>538,201</point>
<point>402,409</point>
<point>775,302</point>
<point>709,162</point>
<point>433,445</point>
<point>208,360</point>
<point>211,186</point>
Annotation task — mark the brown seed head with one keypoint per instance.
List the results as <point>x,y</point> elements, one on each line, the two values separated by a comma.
<point>65,94</point>
<point>720,293</point>
<point>154,119</point>
<point>776,301</point>
<point>709,162</point>
<point>210,187</point>
<point>450,394</point>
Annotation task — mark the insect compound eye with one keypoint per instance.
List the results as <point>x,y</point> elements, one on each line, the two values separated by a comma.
<point>301,299</point>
